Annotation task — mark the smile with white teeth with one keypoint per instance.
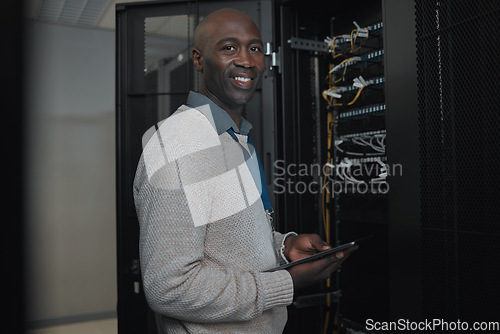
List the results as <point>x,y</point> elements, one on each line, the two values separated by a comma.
<point>244,79</point>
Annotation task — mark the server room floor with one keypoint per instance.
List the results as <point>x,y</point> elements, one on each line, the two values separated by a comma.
<point>105,326</point>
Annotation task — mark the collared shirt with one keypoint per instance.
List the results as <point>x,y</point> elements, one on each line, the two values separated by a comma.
<point>220,119</point>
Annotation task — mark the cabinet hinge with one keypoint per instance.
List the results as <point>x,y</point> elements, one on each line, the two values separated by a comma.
<point>275,57</point>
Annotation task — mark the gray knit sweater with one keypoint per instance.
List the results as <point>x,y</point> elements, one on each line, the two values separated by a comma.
<point>205,238</point>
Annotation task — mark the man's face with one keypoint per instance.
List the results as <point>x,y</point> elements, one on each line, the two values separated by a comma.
<point>232,61</point>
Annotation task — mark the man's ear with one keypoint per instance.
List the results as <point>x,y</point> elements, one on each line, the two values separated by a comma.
<point>197,59</point>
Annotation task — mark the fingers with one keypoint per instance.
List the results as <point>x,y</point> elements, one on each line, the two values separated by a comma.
<point>335,260</point>
<point>350,250</point>
<point>318,243</point>
<point>333,266</point>
<point>316,271</point>
<point>343,255</point>
<point>327,266</point>
<point>305,245</point>
<point>324,263</point>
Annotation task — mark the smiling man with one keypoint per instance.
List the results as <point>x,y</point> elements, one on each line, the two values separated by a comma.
<point>206,238</point>
<point>229,54</point>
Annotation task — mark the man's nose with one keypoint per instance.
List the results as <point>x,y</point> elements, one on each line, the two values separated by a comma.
<point>244,59</point>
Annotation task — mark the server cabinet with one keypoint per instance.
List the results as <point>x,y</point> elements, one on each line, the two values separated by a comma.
<point>321,56</point>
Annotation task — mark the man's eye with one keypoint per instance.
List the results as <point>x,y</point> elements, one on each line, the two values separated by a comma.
<point>229,48</point>
<point>256,49</point>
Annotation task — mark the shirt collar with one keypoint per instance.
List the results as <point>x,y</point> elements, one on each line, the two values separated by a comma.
<point>220,119</point>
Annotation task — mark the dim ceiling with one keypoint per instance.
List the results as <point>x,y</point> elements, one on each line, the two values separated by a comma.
<point>85,13</point>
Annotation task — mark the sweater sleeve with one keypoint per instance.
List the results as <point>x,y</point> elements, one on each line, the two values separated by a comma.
<point>177,280</point>
<point>279,243</point>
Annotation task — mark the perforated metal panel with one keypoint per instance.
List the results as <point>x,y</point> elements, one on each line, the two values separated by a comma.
<point>458,68</point>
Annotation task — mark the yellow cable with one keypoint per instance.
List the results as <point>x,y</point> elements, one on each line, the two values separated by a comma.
<point>332,43</point>
<point>327,318</point>
<point>345,70</point>
<point>357,95</point>
<point>326,212</point>
<point>328,98</point>
<point>336,321</point>
<point>353,40</point>
<point>353,43</point>
<point>345,61</point>
<point>323,207</point>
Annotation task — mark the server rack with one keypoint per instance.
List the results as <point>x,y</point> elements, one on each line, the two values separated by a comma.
<point>320,130</point>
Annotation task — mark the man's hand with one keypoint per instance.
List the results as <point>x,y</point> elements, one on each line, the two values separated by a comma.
<point>304,245</point>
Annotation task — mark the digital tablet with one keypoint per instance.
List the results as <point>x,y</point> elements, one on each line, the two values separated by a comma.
<point>319,255</point>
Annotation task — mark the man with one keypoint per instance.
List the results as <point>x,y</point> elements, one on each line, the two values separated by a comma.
<point>206,239</point>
